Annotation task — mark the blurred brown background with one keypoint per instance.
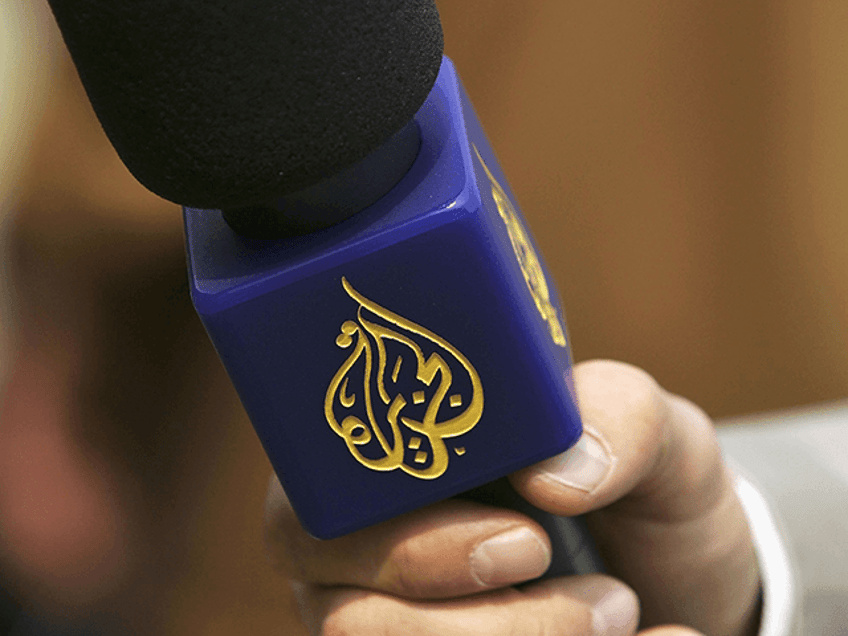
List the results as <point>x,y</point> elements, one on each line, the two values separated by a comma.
<point>681,163</point>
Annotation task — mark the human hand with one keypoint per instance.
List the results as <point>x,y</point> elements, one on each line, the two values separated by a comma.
<point>661,506</point>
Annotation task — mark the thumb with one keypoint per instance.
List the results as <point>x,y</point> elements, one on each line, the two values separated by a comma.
<point>664,514</point>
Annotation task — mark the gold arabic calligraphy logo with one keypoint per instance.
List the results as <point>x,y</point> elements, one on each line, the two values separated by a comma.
<point>527,258</point>
<point>367,394</point>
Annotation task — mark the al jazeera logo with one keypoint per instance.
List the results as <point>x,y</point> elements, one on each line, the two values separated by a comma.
<point>403,395</point>
<point>529,262</point>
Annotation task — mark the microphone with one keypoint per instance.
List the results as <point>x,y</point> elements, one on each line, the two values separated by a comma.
<point>354,250</point>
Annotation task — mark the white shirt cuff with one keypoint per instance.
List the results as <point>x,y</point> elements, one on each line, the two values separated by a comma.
<point>781,615</point>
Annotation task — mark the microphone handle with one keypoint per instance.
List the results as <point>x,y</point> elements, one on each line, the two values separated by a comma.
<point>573,548</point>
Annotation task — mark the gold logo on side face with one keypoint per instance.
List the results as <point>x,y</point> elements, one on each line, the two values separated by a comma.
<point>397,410</point>
<point>529,262</point>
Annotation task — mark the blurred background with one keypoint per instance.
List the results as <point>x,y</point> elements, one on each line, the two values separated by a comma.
<point>682,165</point>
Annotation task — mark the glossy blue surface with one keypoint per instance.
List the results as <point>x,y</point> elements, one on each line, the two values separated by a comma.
<point>431,270</point>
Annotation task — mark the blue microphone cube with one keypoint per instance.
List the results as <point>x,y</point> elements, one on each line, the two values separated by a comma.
<point>408,354</point>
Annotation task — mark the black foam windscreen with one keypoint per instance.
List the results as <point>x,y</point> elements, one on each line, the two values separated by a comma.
<point>228,103</point>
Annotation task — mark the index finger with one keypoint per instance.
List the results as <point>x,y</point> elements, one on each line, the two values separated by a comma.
<point>452,548</point>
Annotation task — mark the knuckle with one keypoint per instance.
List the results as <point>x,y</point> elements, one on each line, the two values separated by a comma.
<point>643,396</point>
<point>629,381</point>
<point>337,626</point>
<point>540,623</point>
<point>281,534</point>
<point>356,615</point>
<point>408,576</point>
<point>628,390</point>
<point>283,559</point>
<point>530,624</point>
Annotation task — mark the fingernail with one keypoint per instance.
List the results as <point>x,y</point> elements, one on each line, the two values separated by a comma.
<point>510,557</point>
<point>584,466</point>
<point>614,613</point>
